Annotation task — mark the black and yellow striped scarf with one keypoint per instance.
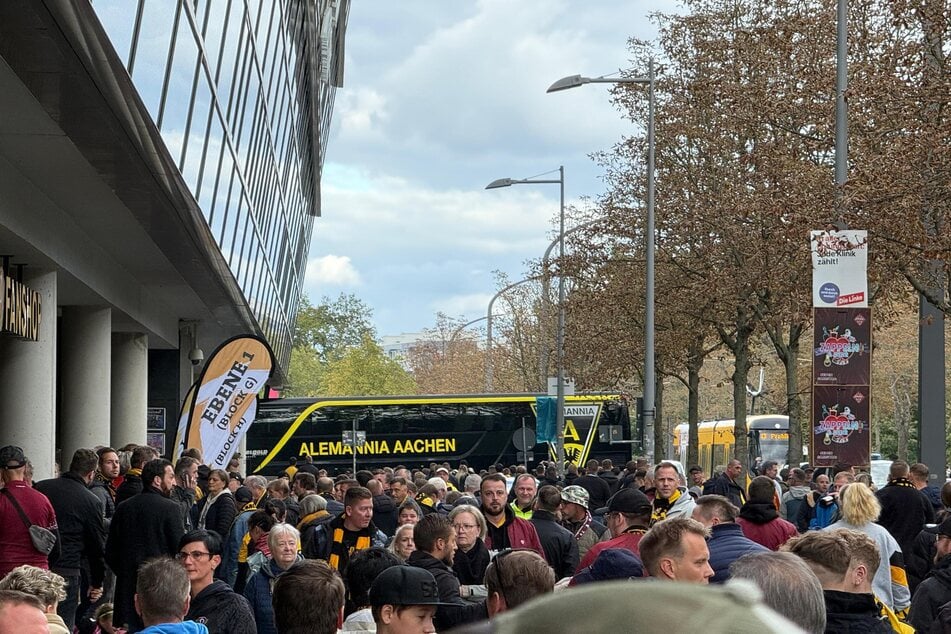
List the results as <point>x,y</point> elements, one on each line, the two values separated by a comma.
<point>340,551</point>
<point>661,506</point>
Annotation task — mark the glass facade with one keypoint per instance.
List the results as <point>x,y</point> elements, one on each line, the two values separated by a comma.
<point>242,93</point>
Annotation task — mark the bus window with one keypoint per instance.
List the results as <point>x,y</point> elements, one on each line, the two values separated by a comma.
<point>718,454</point>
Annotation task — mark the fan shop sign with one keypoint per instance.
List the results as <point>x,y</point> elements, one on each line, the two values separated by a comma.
<point>20,310</point>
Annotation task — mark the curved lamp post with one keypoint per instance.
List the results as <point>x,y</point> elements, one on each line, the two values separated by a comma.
<point>560,334</point>
<point>574,81</point>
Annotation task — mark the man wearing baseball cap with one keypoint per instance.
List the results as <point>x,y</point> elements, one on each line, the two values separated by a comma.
<point>16,547</point>
<point>628,515</point>
<point>576,517</point>
<point>403,600</point>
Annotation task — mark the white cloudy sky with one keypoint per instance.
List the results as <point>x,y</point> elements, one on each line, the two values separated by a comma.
<point>439,99</point>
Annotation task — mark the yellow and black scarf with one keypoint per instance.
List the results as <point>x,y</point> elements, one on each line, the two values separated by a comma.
<point>661,507</point>
<point>340,550</point>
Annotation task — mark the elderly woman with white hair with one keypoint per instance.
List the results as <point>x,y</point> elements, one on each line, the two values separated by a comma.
<point>48,587</point>
<point>283,541</point>
<point>472,557</point>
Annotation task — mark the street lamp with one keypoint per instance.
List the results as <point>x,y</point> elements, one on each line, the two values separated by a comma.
<point>574,81</point>
<point>543,349</point>
<point>560,335</point>
<point>488,330</point>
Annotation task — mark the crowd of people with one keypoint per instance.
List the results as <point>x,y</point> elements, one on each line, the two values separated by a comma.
<point>126,541</point>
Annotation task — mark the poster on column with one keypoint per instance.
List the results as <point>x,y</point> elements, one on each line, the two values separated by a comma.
<point>840,425</point>
<point>839,268</point>
<point>842,346</point>
<point>225,400</point>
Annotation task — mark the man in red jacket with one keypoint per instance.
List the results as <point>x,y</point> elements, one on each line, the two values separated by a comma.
<point>16,547</point>
<point>504,529</point>
<point>628,516</point>
<point>759,518</point>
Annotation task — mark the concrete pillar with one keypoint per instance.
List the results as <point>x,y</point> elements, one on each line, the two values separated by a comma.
<point>85,349</point>
<point>130,388</point>
<point>28,388</point>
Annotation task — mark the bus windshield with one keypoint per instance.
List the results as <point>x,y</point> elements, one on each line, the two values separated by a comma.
<point>771,445</point>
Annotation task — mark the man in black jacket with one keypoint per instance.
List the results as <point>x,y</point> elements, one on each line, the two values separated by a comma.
<point>132,480</point>
<point>435,546</point>
<point>79,515</point>
<point>213,602</point>
<point>726,485</point>
<point>905,509</point>
<point>101,485</point>
<point>598,488</point>
<point>145,526</point>
<point>384,508</point>
<point>935,590</point>
<point>561,549</point>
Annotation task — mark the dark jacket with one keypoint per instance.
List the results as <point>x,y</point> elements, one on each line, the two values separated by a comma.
<point>185,499</point>
<point>853,613</point>
<point>561,549</point>
<point>470,567</point>
<point>598,489</point>
<point>307,527</point>
<point>131,486</point>
<point>293,511</point>
<point>761,523</point>
<point>258,592</point>
<point>727,543</point>
<point>222,610</point>
<point>104,490</point>
<point>385,514</point>
<point>220,516</point>
<point>905,511</point>
<point>611,478</point>
<point>932,593</point>
<point>82,532</point>
<point>920,561</point>
<point>514,533</point>
<point>447,617</point>
<point>942,624</point>
<point>723,485</point>
<point>146,526</point>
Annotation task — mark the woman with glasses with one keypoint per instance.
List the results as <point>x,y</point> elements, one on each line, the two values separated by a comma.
<point>213,602</point>
<point>282,540</point>
<point>472,556</point>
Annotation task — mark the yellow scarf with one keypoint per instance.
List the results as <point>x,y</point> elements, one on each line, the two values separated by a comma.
<point>659,512</point>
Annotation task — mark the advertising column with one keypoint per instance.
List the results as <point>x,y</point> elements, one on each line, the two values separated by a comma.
<point>842,350</point>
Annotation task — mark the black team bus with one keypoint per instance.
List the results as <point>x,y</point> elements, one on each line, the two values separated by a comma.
<point>482,429</point>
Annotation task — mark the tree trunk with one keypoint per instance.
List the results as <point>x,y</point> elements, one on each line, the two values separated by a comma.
<point>793,397</point>
<point>740,346</point>
<point>694,365</point>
